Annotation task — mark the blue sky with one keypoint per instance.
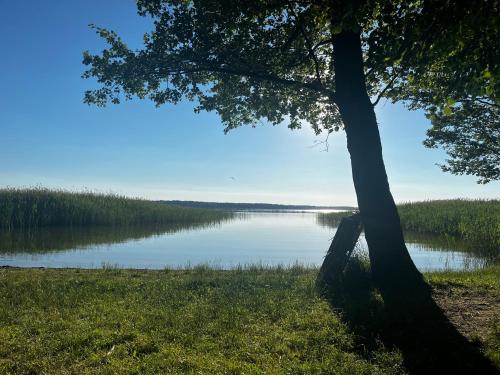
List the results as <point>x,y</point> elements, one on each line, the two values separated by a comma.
<point>48,137</point>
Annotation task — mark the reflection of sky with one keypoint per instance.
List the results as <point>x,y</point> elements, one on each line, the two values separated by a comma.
<point>267,238</point>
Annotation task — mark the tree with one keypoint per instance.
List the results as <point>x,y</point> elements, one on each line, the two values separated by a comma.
<point>471,135</point>
<point>317,62</point>
<point>447,64</point>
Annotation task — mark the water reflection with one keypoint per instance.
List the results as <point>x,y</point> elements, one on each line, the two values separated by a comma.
<point>449,243</point>
<point>46,240</point>
<point>429,258</point>
<point>475,253</point>
<point>268,238</point>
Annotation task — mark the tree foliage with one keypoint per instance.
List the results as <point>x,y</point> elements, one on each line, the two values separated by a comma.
<point>272,60</point>
<point>471,135</point>
<point>445,61</point>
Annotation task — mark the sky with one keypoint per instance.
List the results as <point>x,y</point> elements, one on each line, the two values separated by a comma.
<point>49,138</point>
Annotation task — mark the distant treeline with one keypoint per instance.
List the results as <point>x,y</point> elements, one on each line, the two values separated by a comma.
<point>34,208</point>
<point>251,206</point>
<point>475,221</point>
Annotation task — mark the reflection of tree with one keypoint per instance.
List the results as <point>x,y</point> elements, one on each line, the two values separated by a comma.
<point>59,239</point>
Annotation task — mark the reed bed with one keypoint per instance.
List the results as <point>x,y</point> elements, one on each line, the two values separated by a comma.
<point>475,221</point>
<point>34,208</point>
<point>332,219</point>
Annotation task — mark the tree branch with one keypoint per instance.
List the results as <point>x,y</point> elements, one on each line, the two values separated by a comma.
<point>482,100</point>
<point>311,53</point>
<point>260,76</point>
<point>322,43</point>
<point>389,85</point>
<point>485,102</point>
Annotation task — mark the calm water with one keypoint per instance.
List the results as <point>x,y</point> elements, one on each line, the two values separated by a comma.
<point>268,238</point>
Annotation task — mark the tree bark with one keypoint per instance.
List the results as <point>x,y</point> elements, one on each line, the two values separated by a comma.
<point>340,250</point>
<point>394,272</point>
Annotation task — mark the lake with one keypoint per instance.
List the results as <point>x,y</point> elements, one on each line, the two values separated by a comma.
<point>267,238</point>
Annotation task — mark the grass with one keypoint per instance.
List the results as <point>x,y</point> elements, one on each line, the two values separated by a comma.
<point>458,333</point>
<point>254,320</point>
<point>475,221</point>
<point>29,209</point>
<point>249,321</point>
<point>487,278</point>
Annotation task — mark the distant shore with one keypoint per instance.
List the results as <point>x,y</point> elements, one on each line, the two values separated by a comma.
<point>253,206</point>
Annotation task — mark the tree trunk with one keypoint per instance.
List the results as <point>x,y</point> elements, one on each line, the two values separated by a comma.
<point>394,272</point>
<point>338,254</point>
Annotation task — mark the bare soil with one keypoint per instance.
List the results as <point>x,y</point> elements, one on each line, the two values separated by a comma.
<point>473,311</point>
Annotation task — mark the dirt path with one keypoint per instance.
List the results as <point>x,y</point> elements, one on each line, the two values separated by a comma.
<point>473,311</point>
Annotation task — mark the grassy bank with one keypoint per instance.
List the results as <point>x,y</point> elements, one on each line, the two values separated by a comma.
<point>475,221</point>
<point>196,321</point>
<point>29,209</point>
<point>250,321</point>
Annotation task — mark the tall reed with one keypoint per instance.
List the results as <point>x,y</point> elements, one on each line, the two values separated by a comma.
<point>475,221</point>
<point>34,208</point>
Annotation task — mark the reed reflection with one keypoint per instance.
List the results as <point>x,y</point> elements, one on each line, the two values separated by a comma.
<point>53,239</point>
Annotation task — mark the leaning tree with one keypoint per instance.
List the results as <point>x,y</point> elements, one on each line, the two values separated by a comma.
<point>327,64</point>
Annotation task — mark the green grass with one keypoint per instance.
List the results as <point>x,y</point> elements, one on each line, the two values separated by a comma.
<point>254,320</point>
<point>488,278</point>
<point>475,221</point>
<point>29,209</point>
<point>244,321</point>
